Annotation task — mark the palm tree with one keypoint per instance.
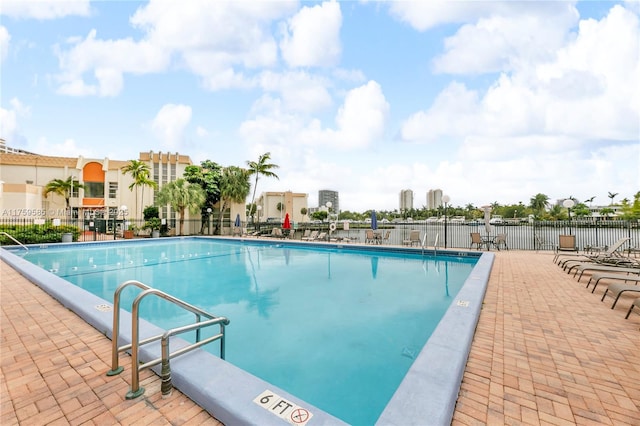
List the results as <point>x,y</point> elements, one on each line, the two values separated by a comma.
<point>140,172</point>
<point>539,202</point>
<point>181,196</point>
<point>590,200</point>
<point>234,187</point>
<point>62,187</point>
<point>261,167</point>
<point>612,195</point>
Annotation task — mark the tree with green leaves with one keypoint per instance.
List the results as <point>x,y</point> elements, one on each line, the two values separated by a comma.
<point>181,196</point>
<point>63,187</point>
<point>539,203</point>
<point>208,176</point>
<point>261,168</point>
<point>234,188</point>
<point>140,173</point>
<point>612,195</point>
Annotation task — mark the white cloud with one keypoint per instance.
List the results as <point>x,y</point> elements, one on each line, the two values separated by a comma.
<point>66,148</point>
<point>107,60</point>
<point>169,125</point>
<point>220,44</point>
<point>312,37</point>
<point>9,127</point>
<point>300,91</point>
<point>360,121</point>
<point>38,9</point>
<point>589,90</point>
<point>5,37</point>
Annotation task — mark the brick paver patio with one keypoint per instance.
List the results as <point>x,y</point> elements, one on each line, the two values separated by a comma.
<point>546,351</point>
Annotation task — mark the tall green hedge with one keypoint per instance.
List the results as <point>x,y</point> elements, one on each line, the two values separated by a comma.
<point>36,234</point>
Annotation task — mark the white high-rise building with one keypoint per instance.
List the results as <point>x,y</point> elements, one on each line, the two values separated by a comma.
<point>434,198</point>
<point>406,200</point>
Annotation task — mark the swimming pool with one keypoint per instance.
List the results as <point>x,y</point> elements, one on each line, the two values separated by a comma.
<point>257,299</point>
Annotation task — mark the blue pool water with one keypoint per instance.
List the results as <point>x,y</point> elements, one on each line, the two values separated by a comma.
<point>338,328</point>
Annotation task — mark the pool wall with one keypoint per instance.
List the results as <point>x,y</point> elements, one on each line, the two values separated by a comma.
<point>428,392</point>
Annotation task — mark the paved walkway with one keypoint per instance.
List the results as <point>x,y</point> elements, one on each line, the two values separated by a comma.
<point>546,351</point>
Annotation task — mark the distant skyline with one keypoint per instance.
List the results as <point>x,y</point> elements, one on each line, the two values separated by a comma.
<point>488,101</point>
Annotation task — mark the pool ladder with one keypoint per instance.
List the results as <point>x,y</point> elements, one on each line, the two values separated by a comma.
<point>166,386</point>
<point>15,241</point>
<point>435,244</point>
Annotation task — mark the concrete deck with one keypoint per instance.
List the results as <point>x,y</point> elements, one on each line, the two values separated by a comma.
<point>546,351</point>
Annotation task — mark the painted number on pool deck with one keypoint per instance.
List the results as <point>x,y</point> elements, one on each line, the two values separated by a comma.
<point>286,410</point>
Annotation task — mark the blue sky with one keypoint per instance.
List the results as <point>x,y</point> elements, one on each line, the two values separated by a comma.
<point>488,101</point>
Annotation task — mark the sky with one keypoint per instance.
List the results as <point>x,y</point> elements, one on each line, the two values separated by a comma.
<point>490,101</point>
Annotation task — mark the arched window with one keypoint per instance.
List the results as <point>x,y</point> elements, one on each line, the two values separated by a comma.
<point>93,180</point>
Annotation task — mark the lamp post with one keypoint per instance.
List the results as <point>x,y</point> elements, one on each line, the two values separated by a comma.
<point>258,208</point>
<point>209,219</point>
<point>568,203</point>
<point>123,211</point>
<point>445,201</point>
<point>70,197</point>
<point>329,204</point>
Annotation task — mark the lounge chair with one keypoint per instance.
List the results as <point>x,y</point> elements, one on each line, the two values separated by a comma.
<point>595,278</point>
<point>635,303</point>
<point>320,237</point>
<point>616,290</point>
<point>600,268</point>
<point>237,231</point>
<point>306,234</point>
<point>276,233</point>
<point>607,253</point>
<point>476,239</point>
<point>312,236</point>
<point>414,238</point>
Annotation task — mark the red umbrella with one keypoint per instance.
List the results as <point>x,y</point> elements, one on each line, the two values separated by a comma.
<point>287,222</point>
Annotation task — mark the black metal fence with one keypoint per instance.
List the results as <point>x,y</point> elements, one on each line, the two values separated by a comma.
<point>537,235</point>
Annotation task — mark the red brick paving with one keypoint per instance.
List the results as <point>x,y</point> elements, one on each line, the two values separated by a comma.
<point>546,352</point>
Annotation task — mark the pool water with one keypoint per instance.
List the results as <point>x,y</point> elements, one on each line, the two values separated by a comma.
<point>339,328</point>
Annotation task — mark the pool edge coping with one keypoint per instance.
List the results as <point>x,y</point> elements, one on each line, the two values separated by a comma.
<point>427,391</point>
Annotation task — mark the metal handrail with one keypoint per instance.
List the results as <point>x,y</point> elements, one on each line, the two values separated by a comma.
<point>166,386</point>
<point>435,245</point>
<point>15,241</point>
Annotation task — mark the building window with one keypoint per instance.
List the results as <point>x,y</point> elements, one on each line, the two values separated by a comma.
<point>94,189</point>
<point>113,189</point>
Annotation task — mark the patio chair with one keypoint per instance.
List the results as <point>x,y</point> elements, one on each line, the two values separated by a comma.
<point>306,234</point>
<point>237,231</point>
<point>501,241</point>
<point>541,243</point>
<point>369,237</point>
<point>414,238</point>
<point>566,243</point>
<point>616,290</point>
<point>476,239</point>
<point>385,239</point>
